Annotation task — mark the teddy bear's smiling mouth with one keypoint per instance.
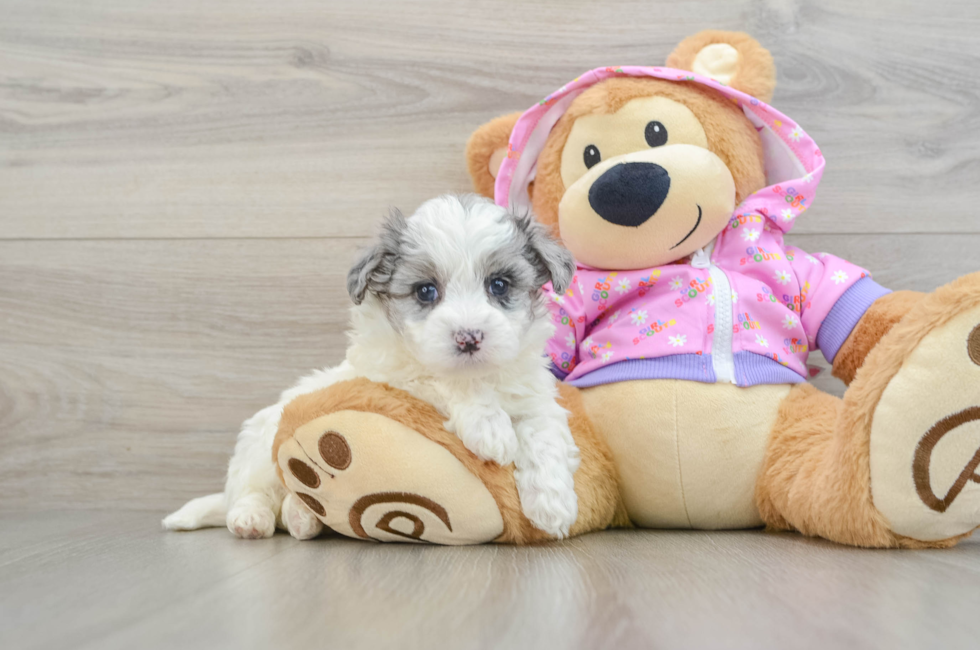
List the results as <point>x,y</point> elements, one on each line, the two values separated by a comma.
<point>688,235</point>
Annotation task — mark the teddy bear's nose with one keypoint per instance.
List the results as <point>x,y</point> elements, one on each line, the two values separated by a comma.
<point>630,193</point>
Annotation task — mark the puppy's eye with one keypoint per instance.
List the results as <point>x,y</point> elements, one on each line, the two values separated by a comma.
<point>426,292</point>
<point>592,156</point>
<point>499,286</point>
<point>655,133</point>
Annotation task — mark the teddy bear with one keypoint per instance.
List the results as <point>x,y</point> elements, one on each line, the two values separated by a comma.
<point>681,345</point>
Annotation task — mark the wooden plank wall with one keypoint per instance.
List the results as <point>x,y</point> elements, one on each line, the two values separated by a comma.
<point>183,184</point>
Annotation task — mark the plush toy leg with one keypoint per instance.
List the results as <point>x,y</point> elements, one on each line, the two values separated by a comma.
<point>893,464</point>
<point>372,462</point>
<point>815,477</point>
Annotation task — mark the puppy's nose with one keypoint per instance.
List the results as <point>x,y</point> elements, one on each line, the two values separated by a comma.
<point>630,193</point>
<point>468,341</point>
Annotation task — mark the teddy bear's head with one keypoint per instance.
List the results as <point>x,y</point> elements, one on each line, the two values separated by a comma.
<point>637,171</point>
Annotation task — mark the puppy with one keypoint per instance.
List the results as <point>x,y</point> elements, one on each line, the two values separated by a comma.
<point>448,307</point>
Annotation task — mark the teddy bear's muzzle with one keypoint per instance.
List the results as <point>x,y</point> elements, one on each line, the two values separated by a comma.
<point>646,208</point>
<point>631,193</point>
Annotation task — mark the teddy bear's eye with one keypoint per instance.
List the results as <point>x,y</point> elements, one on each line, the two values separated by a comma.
<point>592,156</point>
<point>656,134</point>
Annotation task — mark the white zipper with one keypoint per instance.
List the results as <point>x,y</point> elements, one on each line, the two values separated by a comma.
<point>722,357</point>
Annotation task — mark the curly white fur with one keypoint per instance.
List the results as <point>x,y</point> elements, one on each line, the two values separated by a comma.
<point>500,399</point>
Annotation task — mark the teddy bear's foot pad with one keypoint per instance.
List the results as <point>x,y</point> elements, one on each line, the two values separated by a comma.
<point>925,434</point>
<point>370,477</point>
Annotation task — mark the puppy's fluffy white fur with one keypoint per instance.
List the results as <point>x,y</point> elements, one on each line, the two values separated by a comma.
<point>498,396</point>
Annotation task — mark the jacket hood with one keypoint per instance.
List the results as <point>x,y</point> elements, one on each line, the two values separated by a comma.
<point>793,161</point>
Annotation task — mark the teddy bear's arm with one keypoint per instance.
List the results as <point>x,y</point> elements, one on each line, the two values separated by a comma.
<point>876,322</point>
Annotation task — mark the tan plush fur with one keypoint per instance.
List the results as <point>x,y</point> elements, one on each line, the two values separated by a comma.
<point>756,72</point>
<point>875,323</point>
<point>600,505</point>
<point>597,480</point>
<point>730,135</point>
<point>816,475</point>
<point>816,478</point>
<point>481,146</point>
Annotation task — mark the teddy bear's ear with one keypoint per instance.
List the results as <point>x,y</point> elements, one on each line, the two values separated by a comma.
<point>486,150</point>
<point>733,58</point>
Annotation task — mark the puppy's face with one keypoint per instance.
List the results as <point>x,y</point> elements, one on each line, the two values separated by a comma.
<point>460,281</point>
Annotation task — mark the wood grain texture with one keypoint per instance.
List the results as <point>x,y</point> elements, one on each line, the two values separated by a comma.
<point>182,188</point>
<point>126,367</point>
<point>112,580</point>
<point>133,118</point>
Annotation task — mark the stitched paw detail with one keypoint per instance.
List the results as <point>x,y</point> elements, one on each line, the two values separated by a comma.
<point>369,477</point>
<point>925,436</point>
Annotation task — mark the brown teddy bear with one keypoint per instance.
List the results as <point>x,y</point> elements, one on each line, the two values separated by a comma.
<point>682,342</point>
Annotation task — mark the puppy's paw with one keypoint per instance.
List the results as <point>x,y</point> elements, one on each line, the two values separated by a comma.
<point>486,431</point>
<point>298,520</point>
<point>549,502</point>
<point>251,522</point>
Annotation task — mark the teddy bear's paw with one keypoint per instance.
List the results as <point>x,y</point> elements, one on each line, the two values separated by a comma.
<point>925,430</point>
<point>299,520</point>
<point>487,432</point>
<point>548,501</point>
<point>370,477</point>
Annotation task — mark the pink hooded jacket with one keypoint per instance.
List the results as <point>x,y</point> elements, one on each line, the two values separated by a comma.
<point>747,309</point>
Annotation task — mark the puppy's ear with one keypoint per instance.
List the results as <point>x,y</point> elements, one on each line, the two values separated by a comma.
<point>551,260</point>
<point>373,268</point>
<point>733,58</point>
<point>486,150</point>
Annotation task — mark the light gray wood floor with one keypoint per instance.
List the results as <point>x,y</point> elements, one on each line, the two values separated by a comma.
<point>182,187</point>
<point>102,580</point>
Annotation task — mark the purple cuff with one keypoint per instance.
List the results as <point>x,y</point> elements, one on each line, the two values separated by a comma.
<point>691,367</point>
<point>844,317</point>
<point>750,369</point>
<point>558,372</point>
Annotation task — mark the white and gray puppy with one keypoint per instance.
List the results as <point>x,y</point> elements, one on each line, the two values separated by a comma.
<point>448,307</point>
